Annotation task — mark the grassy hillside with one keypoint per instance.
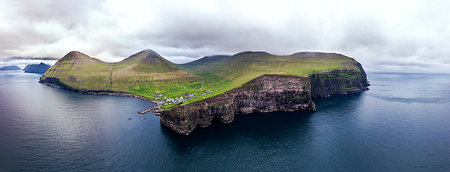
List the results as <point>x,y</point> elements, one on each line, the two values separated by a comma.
<point>145,73</point>
<point>148,74</point>
<point>81,71</point>
<point>206,63</point>
<point>223,74</point>
<point>148,67</point>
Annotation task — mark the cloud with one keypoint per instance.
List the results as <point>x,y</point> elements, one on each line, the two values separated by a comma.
<point>24,62</point>
<point>403,36</point>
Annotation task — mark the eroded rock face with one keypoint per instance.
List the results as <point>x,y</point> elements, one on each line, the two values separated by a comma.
<point>334,82</point>
<point>267,93</point>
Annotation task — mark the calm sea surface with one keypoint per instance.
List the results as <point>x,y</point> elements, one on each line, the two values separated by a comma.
<point>401,124</point>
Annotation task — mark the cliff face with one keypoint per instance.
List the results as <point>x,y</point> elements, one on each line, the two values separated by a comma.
<point>267,93</point>
<point>334,82</point>
<point>279,85</point>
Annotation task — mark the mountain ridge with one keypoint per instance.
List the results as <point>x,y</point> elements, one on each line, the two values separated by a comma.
<point>145,73</point>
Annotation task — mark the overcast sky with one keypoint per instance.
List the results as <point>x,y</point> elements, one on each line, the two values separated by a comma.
<point>384,35</point>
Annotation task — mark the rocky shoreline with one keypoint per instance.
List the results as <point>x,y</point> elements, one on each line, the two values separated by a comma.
<point>267,93</point>
<point>54,82</point>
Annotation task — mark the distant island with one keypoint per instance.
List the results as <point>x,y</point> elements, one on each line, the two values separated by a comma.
<point>10,68</point>
<point>36,68</point>
<point>191,95</point>
<point>33,58</point>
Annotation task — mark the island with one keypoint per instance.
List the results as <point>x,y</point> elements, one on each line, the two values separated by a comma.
<point>192,95</point>
<point>36,68</point>
<point>10,68</point>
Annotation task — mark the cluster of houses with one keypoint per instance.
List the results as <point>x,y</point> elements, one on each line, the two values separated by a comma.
<point>179,99</point>
<point>207,92</point>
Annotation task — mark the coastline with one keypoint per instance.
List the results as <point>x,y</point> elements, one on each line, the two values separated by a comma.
<point>155,109</point>
<point>267,93</point>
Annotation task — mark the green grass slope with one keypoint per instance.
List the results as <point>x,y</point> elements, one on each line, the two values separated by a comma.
<point>80,71</point>
<point>148,74</point>
<point>223,74</point>
<point>206,63</point>
<point>145,73</point>
<point>148,69</point>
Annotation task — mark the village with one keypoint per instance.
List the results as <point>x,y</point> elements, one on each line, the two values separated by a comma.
<point>179,99</point>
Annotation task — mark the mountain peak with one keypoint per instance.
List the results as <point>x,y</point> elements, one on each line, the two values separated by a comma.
<point>150,61</point>
<point>215,57</point>
<point>75,54</point>
<point>144,54</point>
<point>148,50</point>
<point>244,53</point>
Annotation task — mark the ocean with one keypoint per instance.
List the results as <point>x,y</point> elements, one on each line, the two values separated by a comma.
<point>401,124</point>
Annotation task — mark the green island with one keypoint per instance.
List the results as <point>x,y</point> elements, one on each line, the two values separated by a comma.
<point>150,75</point>
<point>193,94</point>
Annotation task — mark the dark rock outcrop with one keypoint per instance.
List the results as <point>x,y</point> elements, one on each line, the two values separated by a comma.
<point>335,82</point>
<point>267,93</point>
<point>40,68</point>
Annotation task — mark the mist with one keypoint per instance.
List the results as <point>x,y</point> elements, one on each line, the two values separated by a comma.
<point>385,36</point>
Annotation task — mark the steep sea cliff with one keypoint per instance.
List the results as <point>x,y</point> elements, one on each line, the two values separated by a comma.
<point>194,94</point>
<point>334,82</point>
<point>267,93</point>
<point>401,124</point>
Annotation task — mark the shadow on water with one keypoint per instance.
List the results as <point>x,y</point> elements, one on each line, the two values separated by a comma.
<point>339,101</point>
<point>274,125</point>
<point>50,129</point>
<point>254,125</point>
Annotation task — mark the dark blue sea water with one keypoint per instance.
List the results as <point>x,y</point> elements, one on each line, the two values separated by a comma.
<point>401,124</point>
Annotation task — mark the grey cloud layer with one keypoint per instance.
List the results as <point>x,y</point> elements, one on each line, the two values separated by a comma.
<point>406,36</point>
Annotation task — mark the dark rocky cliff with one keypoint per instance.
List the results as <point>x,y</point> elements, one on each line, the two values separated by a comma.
<point>340,81</point>
<point>267,93</point>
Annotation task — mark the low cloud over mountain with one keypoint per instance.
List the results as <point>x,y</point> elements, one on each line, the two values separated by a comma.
<point>406,36</point>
